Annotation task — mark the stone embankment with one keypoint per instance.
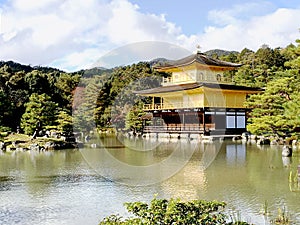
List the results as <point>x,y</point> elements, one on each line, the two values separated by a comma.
<point>267,140</point>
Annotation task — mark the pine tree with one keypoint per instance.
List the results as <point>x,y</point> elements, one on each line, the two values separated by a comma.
<point>40,112</point>
<point>134,120</point>
<point>64,123</point>
<point>269,108</point>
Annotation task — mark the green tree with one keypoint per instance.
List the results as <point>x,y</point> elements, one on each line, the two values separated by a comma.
<point>92,100</point>
<point>294,55</point>
<point>269,57</point>
<point>259,67</point>
<point>174,211</point>
<point>65,86</point>
<point>39,110</point>
<point>289,52</point>
<point>134,120</point>
<point>292,111</point>
<point>6,110</point>
<point>245,74</point>
<point>292,107</point>
<point>246,56</point>
<point>267,62</point>
<point>83,119</point>
<point>5,74</point>
<point>64,123</point>
<point>231,57</point>
<point>37,82</point>
<point>268,114</point>
<point>116,95</point>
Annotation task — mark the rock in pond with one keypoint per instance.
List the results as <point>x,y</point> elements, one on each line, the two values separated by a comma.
<point>287,151</point>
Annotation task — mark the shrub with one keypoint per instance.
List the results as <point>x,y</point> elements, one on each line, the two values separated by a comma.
<point>5,129</point>
<point>174,211</point>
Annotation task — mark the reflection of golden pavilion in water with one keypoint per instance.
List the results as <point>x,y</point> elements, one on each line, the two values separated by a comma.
<point>191,180</point>
<point>197,98</point>
<point>195,180</point>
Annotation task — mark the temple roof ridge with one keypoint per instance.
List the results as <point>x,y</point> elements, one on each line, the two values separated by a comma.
<point>198,57</point>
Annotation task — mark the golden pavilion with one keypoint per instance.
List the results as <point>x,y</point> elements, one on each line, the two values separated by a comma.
<point>198,98</point>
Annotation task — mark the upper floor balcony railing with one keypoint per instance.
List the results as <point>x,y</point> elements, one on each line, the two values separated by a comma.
<point>170,80</point>
<point>221,103</point>
<point>217,79</point>
<point>175,105</point>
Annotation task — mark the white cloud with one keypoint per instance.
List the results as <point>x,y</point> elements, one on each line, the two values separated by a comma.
<point>32,5</point>
<point>127,25</point>
<point>239,11</point>
<point>79,60</point>
<point>141,51</point>
<point>276,29</point>
<point>1,21</point>
<point>44,32</point>
<point>52,32</point>
<point>71,34</point>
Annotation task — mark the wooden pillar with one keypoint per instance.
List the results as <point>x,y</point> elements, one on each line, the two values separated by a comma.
<point>203,116</point>
<point>183,120</point>
<point>153,104</point>
<point>235,115</point>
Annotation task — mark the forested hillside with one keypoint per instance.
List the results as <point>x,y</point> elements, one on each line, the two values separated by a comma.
<point>105,101</point>
<point>47,97</point>
<point>44,97</point>
<point>31,95</point>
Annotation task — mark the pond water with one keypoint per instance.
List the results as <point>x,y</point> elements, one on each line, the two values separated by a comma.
<point>83,186</point>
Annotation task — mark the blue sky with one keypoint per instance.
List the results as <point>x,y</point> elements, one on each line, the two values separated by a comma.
<point>74,34</point>
<point>192,16</point>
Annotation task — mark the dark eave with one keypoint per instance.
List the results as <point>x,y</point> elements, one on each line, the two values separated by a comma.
<point>199,58</point>
<point>231,87</point>
<point>190,86</point>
